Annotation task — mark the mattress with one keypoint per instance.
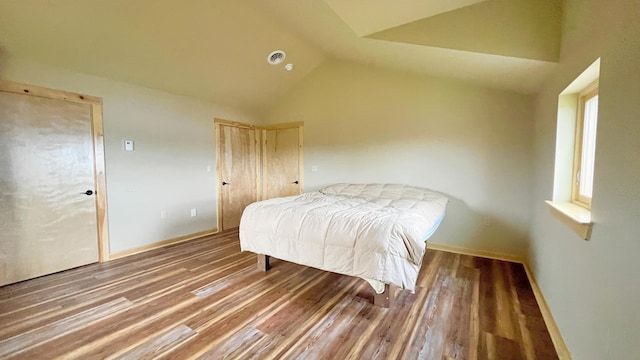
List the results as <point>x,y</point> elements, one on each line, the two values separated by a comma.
<point>373,231</point>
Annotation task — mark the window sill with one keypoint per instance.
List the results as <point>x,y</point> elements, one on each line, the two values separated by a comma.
<point>574,216</point>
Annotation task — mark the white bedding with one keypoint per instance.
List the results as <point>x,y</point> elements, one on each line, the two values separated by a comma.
<point>373,231</point>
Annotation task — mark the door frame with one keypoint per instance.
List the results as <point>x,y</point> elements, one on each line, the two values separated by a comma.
<point>98,149</point>
<point>220,122</point>
<point>290,125</point>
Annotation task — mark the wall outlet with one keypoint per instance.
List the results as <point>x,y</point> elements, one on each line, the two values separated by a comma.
<point>194,212</point>
<point>314,168</point>
<point>163,214</point>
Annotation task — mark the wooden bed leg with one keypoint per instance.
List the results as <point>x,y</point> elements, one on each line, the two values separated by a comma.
<point>263,262</point>
<point>385,299</point>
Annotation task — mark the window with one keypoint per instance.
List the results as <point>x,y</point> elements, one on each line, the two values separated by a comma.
<point>577,122</point>
<point>585,146</point>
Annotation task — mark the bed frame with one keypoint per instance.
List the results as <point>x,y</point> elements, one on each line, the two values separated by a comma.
<point>385,300</point>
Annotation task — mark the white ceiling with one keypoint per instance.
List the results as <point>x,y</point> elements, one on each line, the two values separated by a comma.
<point>216,49</point>
<point>317,22</point>
<point>212,50</point>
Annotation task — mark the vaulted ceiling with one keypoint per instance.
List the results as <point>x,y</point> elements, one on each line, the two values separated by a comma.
<point>216,49</point>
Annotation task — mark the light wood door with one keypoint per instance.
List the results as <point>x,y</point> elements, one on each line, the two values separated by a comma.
<point>48,219</point>
<point>238,172</point>
<point>282,162</point>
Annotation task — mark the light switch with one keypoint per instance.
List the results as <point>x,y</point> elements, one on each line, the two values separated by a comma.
<point>128,145</point>
<point>314,168</point>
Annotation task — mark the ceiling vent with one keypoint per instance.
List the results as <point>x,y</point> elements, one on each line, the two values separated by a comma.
<point>276,57</point>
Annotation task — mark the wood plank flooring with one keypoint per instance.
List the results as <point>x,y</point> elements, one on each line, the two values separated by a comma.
<point>204,299</point>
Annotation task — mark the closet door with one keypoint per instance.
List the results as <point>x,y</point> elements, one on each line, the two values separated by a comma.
<point>238,170</point>
<point>48,214</point>
<point>282,161</point>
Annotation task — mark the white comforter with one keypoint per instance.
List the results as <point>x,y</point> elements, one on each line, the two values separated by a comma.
<point>373,231</point>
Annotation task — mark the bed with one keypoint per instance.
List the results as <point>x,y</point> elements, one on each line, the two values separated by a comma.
<point>377,232</point>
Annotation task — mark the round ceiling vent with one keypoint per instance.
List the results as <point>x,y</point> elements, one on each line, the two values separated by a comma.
<point>276,57</point>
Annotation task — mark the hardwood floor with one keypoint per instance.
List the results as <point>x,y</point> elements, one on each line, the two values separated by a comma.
<point>205,299</point>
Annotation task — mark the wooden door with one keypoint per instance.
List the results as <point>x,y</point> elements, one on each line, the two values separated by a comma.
<point>237,171</point>
<point>282,161</point>
<point>48,213</point>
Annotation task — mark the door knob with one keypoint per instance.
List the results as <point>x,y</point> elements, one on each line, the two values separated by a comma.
<point>225,183</point>
<point>88,192</point>
<point>295,182</point>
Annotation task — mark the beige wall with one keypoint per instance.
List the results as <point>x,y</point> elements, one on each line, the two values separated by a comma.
<point>471,143</point>
<point>592,287</point>
<point>174,144</point>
